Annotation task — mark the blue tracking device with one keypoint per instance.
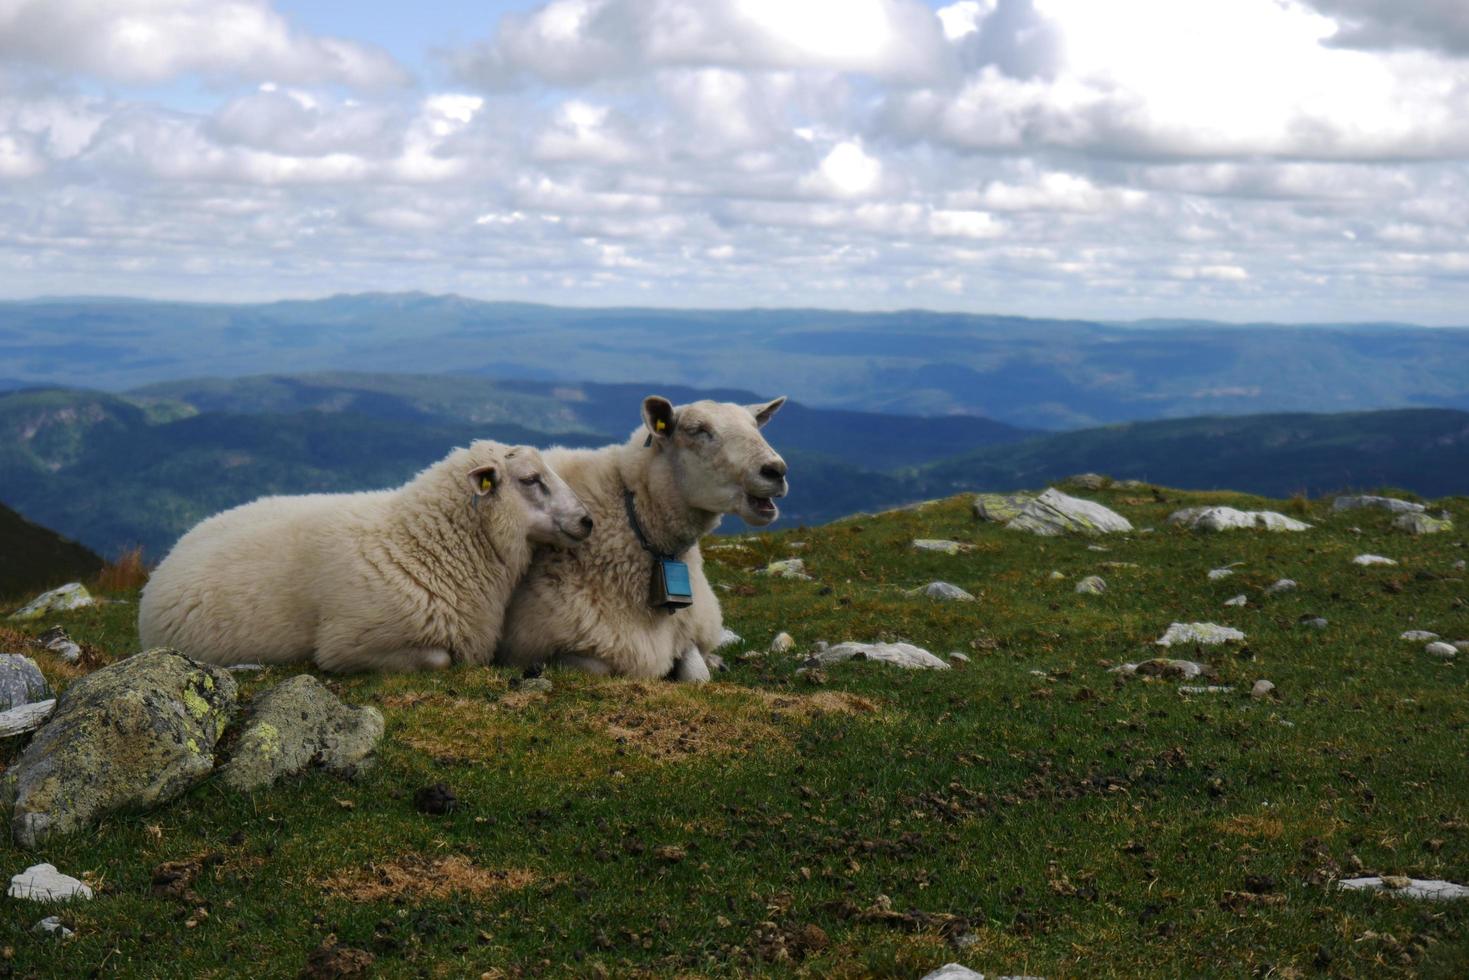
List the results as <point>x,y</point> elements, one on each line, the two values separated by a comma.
<point>671,586</point>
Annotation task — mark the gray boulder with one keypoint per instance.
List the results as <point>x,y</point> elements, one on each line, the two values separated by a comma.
<point>295,725</point>
<point>1422,524</point>
<point>897,654</point>
<point>71,596</point>
<point>1000,508</point>
<point>1231,519</point>
<point>946,590</point>
<point>131,735</point>
<point>43,883</point>
<point>1379,503</point>
<point>21,682</point>
<point>1054,513</point>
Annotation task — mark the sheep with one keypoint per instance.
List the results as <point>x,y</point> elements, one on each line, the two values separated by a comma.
<point>400,580</point>
<point>684,467</point>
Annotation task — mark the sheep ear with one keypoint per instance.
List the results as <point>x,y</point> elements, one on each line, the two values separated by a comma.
<point>484,480</point>
<point>764,413</point>
<point>658,417</point>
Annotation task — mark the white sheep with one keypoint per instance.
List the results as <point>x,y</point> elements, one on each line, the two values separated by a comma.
<point>684,468</point>
<point>405,579</point>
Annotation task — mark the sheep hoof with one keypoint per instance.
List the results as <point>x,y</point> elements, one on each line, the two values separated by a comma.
<point>691,668</point>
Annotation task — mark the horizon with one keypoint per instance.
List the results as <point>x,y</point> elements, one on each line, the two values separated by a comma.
<point>1035,158</point>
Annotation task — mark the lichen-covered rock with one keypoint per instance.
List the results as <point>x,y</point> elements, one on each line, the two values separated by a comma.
<point>789,568</point>
<point>1231,519</point>
<point>1380,503</point>
<point>295,725</point>
<point>21,681</point>
<point>1206,634</point>
<point>941,546</point>
<point>1001,508</point>
<point>897,654</point>
<point>947,591</point>
<point>131,735</point>
<point>71,596</point>
<point>1054,513</point>
<point>1422,524</point>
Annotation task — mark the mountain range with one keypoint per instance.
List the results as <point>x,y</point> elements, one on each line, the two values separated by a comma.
<point>1027,373</point>
<point>139,468</point>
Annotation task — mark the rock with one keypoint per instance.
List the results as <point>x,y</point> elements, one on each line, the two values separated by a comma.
<point>21,682</point>
<point>789,568</point>
<point>43,883</point>
<point>1163,667</point>
<point>1281,585</point>
<point>1215,574</point>
<point>1120,564</point>
<point>1440,649</point>
<point>1097,547</point>
<point>1422,524</point>
<point>1089,481</point>
<point>962,658</point>
<point>953,971</point>
<point>1462,646</point>
<point>1205,689</point>
<point>1380,503</point>
<point>51,926</point>
<point>1313,622</point>
<point>1262,689</point>
<point>1001,508</point>
<point>1230,519</point>
<point>897,654</point>
<point>727,636</point>
<point>131,735</point>
<point>1418,636</point>
<point>56,641</point>
<point>1054,513</point>
<point>1461,565</point>
<point>1132,485</point>
<point>943,590</point>
<point>246,668</point>
<point>1238,600</point>
<point>782,643</point>
<point>1372,560</point>
<point>298,724</point>
<point>26,718</point>
<point>1057,576</point>
<point>1207,634</point>
<point>541,685</point>
<point>71,596</point>
<point>1092,585</point>
<point>1434,891</point>
<point>941,546</point>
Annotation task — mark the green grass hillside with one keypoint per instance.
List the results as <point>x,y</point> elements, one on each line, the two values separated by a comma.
<point>34,558</point>
<point>1025,813</point>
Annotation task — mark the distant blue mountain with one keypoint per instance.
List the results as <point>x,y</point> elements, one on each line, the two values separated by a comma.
<point>1027,373</point>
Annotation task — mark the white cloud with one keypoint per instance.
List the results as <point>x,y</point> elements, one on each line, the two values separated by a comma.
<point>846,171</point>
<point>148,41</point>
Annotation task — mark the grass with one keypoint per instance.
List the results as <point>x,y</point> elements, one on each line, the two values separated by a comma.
<point>1026,813</point>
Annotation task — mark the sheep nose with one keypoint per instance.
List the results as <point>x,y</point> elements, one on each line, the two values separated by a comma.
<point>586,524</point>
<point>774,471</point>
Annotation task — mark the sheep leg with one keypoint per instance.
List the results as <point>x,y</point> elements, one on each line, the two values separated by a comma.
<point>590,665</point>
<point>690,668</point>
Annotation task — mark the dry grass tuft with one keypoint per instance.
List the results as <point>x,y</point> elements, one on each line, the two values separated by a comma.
<point>125,574</point>
<point>414,876</point>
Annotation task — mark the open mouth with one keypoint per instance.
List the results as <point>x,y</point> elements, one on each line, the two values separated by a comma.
<point>763,506</point>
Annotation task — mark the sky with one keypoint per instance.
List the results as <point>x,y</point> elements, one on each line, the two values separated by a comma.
<point>1286,160</point>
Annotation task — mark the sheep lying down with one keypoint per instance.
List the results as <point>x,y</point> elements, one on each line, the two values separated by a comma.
<point>406,579</point>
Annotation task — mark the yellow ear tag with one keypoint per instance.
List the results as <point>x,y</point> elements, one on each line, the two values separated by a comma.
<point>485,484</point>
<point>662,425</point>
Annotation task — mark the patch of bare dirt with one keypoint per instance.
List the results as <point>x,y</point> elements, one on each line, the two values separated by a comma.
<point>414,876</point>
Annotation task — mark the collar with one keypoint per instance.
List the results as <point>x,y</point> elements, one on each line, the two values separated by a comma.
<point>637,530</point>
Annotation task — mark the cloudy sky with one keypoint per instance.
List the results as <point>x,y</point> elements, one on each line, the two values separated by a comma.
<point>1233,159</point>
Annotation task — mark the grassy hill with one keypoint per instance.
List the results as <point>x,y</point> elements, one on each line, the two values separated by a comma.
<point>1030,373</point>
<point>1027,812</point>
<point>34,559</point>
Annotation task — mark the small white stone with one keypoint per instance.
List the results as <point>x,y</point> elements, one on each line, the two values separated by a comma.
<point>1407,888</point>
<point>789,568</point>
<point>1418,636</point>
<point>1097,547</point>
<point>897,654</point>
<point>782,643</point>
<point>1440,649</point>
<point>43,883</point>
<point>1461,565</point>
<point>941,546</point>
<point>1281,585</point>
<point>1056,576</point>
<point>1091,585</point>
<point>953,971</point>
<point>944,590</point>
<point>963,658</point>
<point>1262,689</point>
<point>1372,560</point>
<point>1215,574</point>
<point>1238,600</point>
<point>1208,634</point>
<point>51,926</point>
<point>1205,689</point>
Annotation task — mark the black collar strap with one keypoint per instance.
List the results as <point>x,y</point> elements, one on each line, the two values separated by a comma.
<point>637,530</point>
